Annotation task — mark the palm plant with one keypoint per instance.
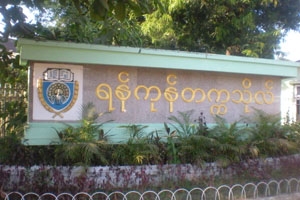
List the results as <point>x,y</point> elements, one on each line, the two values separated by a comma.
<point>196,149</point>
<point>171,147</point>
<point>136,132</point>
<point>157,138</point>
<point>268,137</point>
<point>84,143</point>
<point>139,148</point>
<point>183,124</point>
<point>188,141</point>
<point>230,141</point>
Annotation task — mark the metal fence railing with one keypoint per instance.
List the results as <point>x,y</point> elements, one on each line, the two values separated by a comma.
<point>9,93</point>
<point>287,187</point>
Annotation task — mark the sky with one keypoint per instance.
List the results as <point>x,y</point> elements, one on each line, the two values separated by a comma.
<point>291,46</point>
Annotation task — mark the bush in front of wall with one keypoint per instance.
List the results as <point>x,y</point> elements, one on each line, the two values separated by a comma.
<point>13,151</point>
<point>139,148</point>
<point>84,143</point>
<point>230,142</point>
<point>223,144</point>
<point>292,132</point>
<point>184,124</point>
<point>187,142</point>
<point>184,140</point>
<point>196,149</point>
<point>232,152</point>
<point>268,137</point>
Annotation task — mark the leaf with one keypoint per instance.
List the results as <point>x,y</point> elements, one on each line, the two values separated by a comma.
<point>97,10</point>
<point>104,4</point>
<point>135,7</point>
<point>161,5</point>
<point>63,2</point>
<point>77,5</point>
<point>120,11</point>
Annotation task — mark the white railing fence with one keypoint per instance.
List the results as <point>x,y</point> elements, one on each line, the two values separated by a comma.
<point>224,192</point>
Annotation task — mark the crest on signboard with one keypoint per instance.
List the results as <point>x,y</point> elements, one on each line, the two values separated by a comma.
<point>58,91</point>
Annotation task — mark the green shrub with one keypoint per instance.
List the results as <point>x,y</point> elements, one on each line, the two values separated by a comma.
<point>268,137</point>
<point>184,124</point>
<point>230,142</point>
<point>13,152</point>
<point>84,143</point>
<point>226,143</point>
<point>139,148</point>
<point>196,149</point>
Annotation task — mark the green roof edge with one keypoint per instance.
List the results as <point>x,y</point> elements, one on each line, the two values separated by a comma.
<point>79,53</point>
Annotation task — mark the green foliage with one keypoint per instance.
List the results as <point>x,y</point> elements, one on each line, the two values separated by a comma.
<point>80,28</point>
<point>13,84</point>
<point>197,149</point>
<point>139,148</point>
<point>183,124</point>
<point>159,27</point>
<point>260,24</point>
<point>243,28</point>
<point>172,139</point>
<point>13,116</point>
<point>230,141</point>
<point>13,152</point>
<point>135,132</point>
<point>292,130</point>
<point>268,137</point>
<point>225,143</point>
<point>84,143</point>
<point>13,109</point>
<point>10,70</point>
<point>77,20</point>
<point>14,21</point>
<point>188,143</point>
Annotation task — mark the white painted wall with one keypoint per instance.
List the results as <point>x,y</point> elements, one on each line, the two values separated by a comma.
<point>288,99</point>
<point>288,102</point>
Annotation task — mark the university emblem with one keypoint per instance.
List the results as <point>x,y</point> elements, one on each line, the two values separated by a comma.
<point>58,91</point>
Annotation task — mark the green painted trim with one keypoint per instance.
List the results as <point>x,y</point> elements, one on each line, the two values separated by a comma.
<point>50,51</point>
<point>43,133</point>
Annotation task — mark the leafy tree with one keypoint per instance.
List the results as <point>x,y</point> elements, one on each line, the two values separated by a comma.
<point>91,11</point>
<point>13,108</point>
<point>81,28</point>
<point>13,83</point>
<point>247,28</point>
<point>11,71</point>
<point>250,28</point>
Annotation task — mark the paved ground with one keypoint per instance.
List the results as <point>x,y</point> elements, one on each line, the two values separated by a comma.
<point>295,196</point>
